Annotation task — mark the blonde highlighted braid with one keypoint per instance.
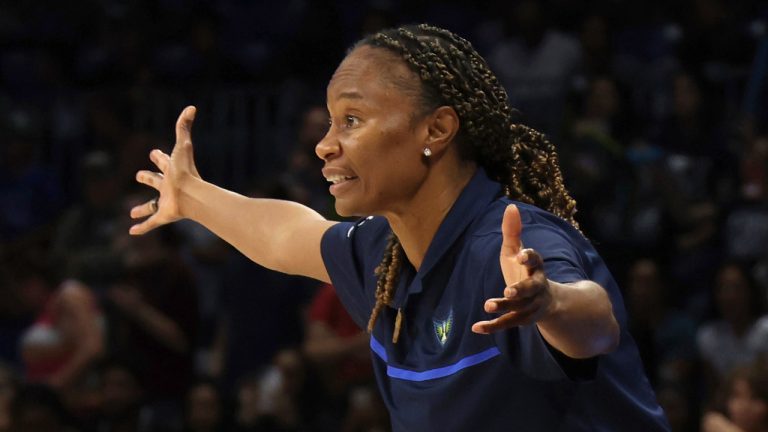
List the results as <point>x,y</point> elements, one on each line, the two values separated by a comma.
<point>453,74</point>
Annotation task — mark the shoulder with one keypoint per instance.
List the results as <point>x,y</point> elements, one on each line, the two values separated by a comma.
<point>364,230</point>
<point>543,231</point>
<point>534,219</point>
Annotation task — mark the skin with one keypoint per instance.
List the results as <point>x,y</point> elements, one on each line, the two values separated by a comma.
<point>376,140</point>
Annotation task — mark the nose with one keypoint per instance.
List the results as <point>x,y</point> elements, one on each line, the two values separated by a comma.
<point>328,147</point>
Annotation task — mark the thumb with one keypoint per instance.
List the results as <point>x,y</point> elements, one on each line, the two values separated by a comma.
<point>511,230</point>
<point>184,126</point>
<point>183,148</point>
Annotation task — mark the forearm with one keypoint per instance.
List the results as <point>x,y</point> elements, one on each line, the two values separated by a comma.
<point>162,328</point>
<point>280,235</point>
<point>580,323</point>
<point>86,352</point>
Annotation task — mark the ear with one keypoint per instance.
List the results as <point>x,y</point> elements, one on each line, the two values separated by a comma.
<point>442,127</point>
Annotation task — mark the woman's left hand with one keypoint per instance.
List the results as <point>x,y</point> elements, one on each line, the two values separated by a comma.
<point>527,296</point>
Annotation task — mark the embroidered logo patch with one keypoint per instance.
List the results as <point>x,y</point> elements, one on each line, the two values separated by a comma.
<point>443,328</point>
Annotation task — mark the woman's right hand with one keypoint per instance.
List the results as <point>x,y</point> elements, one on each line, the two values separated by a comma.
<point>175,171</point>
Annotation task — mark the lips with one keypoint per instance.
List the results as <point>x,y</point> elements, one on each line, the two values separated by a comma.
<point>337,175</point>
<point>339,178</point>
<point>336,179</point>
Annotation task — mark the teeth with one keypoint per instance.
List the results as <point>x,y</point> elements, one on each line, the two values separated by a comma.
<point>338,178</point>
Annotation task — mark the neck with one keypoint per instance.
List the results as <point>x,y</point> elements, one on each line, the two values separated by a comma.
<point>416,223</point>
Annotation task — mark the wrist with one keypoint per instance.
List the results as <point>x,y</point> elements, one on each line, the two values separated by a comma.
<point>188,196</point>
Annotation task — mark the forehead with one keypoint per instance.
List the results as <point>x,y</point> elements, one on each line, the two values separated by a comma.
<point>367,70</point>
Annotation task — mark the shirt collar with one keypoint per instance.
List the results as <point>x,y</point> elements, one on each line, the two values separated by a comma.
<point>473,200</point>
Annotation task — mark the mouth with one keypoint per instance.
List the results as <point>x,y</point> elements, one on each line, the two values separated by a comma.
<point>339,179</point>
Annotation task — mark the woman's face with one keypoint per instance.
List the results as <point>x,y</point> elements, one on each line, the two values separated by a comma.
<point>746,411</point>
<point>373,148</point>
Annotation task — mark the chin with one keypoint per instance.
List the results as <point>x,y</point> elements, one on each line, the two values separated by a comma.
<point>347,210</point>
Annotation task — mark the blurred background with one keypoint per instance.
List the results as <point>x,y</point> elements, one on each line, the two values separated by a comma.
<point>659,111</point>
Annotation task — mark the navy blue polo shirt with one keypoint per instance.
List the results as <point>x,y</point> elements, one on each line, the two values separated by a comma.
<point>442,376</point>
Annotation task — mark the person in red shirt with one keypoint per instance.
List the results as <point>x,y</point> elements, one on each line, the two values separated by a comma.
<point>336,344</point>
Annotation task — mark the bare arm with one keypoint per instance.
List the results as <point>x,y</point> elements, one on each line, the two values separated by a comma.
<point>580,323</point>
<point>280,235</point>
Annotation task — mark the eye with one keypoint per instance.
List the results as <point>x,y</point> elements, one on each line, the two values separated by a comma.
<point>351,121</point>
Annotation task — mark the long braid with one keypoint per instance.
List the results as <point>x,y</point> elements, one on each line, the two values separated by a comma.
<point>522,159</point>
<point>387,274</point>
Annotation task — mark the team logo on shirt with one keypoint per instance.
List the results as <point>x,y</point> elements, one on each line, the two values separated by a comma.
<point>443,328</point>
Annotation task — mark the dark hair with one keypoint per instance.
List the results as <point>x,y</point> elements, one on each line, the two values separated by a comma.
<point>453,74</point>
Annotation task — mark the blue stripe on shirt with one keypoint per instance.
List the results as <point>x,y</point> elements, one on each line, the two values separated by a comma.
<point>429,374</point>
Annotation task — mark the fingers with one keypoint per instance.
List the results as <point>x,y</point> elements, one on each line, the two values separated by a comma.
<point>160,159</point>
<point>184,126</point>
<point>144,210</point>
<point>511,319</point>
<point>529,287</point>
<point>523,303</point>
<point>531,260</point>
<point>148,208</point>
<point>183,150</point>
<point>511,229</point>
<point>144,227</point>
<point>518,295</point>
<point>503,304</point>
<point>149,178</point>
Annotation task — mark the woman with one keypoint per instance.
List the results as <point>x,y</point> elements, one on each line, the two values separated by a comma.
<point>421,136</point>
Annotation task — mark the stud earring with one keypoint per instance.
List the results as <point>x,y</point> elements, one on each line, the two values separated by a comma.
<point>427,152</point>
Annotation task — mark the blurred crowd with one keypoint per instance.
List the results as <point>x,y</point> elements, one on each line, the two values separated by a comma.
<point>658,109</point>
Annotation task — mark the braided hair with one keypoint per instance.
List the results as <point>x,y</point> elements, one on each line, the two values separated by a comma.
<point>453,74</point>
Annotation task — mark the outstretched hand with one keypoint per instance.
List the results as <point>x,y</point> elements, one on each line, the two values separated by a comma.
<point>175,170</point>
<point>527,296</point>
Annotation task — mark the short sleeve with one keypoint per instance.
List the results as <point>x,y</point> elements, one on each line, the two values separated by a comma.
<point>562,261</point>
<point>350,253</point>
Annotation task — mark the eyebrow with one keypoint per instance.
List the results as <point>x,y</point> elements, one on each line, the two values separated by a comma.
<point>349,95</point>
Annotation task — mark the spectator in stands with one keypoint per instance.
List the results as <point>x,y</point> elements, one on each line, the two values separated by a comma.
<point>65,339</point>
<point>739,333</point>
